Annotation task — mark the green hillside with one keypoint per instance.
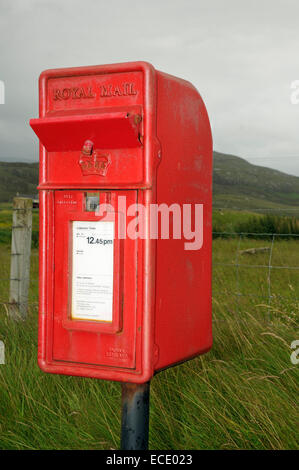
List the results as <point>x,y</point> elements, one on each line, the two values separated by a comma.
<point>241,185</point>
<point>237,184</point>
<point>17,177</point>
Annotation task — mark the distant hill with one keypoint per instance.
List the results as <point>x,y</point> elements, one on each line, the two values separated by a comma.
<point>241,185</point>
<point>237,184</point>
<point>17,177</point>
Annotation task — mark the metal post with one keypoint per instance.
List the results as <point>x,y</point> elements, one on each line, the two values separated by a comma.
<point>20,257</point>
<point>135,416</point>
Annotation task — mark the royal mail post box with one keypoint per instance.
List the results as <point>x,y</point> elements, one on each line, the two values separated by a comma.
<point>125,222</point>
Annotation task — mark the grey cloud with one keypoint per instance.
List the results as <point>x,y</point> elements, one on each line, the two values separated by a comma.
<point>242,57</point>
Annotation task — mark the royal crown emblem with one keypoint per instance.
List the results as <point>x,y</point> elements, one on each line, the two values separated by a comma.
<point>92,162</point>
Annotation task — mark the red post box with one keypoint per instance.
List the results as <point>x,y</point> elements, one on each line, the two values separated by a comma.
<point>125,222</point>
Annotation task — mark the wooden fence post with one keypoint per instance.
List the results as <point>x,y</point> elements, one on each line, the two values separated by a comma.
<point>20,257</point>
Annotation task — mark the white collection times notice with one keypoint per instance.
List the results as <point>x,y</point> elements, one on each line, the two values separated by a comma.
<point>92,270</point>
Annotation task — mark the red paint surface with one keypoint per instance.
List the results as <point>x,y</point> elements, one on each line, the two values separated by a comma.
<point>162,293</point>
<point>106,130</point>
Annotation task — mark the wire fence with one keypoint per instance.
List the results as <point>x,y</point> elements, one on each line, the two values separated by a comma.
<point>259,267</point>
<point>260,270</point>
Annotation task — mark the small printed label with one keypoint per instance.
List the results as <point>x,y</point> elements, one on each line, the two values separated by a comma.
<point>66,199</point>
<point>92,270</point>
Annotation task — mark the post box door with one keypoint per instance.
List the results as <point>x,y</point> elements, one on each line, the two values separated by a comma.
<point>95,280</point>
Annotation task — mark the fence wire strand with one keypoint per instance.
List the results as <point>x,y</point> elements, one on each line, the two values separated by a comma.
<point>269,268</point>
<point>236,264</point>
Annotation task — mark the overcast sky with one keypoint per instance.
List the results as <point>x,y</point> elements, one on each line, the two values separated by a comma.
<point>241,55</point>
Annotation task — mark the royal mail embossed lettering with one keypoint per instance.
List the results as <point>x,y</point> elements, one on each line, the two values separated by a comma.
<point>73,93</point>
<point>104,91</point>
<point>124,89</point>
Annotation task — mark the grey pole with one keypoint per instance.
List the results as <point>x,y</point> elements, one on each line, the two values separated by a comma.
<point>135,416</point>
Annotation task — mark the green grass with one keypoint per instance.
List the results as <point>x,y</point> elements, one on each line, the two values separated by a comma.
<point>241,202</point>
<point>241,395</point>
<point>6,223</point>
<point>226,222</point>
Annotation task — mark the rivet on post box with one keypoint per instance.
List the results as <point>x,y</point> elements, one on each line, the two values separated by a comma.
<point>125,222</point>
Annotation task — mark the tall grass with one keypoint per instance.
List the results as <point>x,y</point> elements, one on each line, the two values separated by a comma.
<point>270,224</point>
<point>241,395</point>
<point>245,222</point>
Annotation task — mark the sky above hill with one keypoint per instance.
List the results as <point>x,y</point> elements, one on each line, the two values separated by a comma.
<point>241,55</point>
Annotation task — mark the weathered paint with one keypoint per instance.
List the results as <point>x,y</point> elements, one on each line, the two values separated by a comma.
<point>135,416</point>
<point>156,133</point>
